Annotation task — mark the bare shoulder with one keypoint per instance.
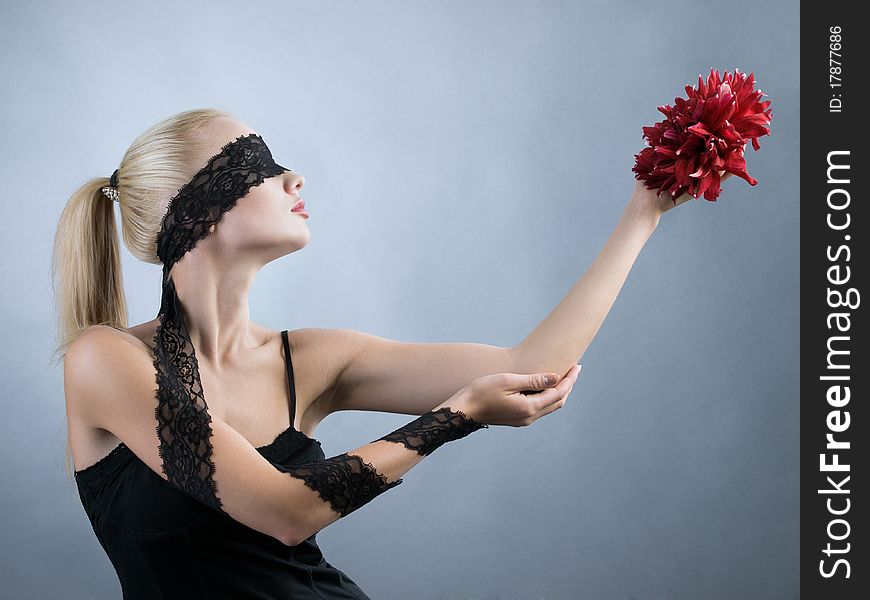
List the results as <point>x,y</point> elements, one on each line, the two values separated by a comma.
<point>94,345</point>
<point>99,367</point>
<point>320,356</point>
<point>99,356</point>
<point>90,349</point>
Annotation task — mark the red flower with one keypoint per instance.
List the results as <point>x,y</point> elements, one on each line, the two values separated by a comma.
<point>702,135</point>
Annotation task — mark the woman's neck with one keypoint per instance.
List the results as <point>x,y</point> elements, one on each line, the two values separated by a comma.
<point>214,299</point>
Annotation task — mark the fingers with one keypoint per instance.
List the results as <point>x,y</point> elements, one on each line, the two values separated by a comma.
<point>552,395</point>
<point>515,382</point>
<point>536,381</point>
<point>555,405</point>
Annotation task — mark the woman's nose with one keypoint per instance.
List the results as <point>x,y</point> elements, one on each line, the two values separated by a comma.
<point>295,182</point>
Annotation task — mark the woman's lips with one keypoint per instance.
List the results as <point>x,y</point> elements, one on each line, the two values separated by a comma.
<point>299,207</point>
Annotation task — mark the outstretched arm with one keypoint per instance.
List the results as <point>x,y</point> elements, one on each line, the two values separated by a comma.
<point>562,338</point>
<point>374,373</point>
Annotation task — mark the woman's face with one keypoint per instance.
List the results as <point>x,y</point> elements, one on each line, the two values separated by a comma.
<point>261,224</point>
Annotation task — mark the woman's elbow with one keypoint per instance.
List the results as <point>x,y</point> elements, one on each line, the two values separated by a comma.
<point>306,521</point>
<point>525,361</point>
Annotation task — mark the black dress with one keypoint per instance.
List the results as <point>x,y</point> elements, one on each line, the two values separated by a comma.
<point>165,544</point>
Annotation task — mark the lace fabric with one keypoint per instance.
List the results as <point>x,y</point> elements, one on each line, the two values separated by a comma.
<point>183,421</point>
<point>433,429</point>
<point>345,481</point>
<point>183,427</point>
<point>200,203</point>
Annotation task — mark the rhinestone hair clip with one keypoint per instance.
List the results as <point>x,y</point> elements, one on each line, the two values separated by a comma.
<point>111,190</point>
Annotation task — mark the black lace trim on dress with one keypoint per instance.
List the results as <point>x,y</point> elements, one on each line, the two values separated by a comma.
<point>433,429</point>
<point>345,481</point>
<point>288,443</point>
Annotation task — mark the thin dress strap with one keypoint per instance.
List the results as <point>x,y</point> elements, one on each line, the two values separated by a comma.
<point>289,367</point>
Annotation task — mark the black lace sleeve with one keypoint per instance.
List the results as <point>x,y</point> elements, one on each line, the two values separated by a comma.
<point>432,429</point>
<point>347,482</point>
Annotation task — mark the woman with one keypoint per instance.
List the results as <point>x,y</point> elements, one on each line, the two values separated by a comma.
<point>223,502</point>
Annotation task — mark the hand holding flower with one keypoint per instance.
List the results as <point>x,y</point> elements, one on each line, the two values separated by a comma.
<point>665,202</point>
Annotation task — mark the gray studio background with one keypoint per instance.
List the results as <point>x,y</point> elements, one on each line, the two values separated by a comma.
<point>464,164</point>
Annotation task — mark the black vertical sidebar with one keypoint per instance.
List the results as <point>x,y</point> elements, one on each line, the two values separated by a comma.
<point>835,362</point>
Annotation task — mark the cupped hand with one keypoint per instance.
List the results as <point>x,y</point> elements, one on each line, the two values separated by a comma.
<point>499,399</point>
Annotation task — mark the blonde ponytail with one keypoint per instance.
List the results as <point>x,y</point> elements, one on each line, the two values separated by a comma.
<point>86,259</point>
<point>86,264</point>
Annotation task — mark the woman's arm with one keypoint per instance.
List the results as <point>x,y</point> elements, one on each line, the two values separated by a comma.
<point>377,374</point>
<point>109,385</point>
<point>562,338</point>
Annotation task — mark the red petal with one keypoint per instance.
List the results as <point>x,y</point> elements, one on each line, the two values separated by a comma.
<point>726,109</point>
<point>692,145</point>
<point>703,184</point>
<point>698,129</point>
<point>757,118</point>
<point>701,172</point>
<point>681,171</point>
<point>714,188</point>
<point>737,165</point>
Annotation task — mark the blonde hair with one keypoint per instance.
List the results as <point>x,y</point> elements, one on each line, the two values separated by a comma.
<point>86,259</point>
